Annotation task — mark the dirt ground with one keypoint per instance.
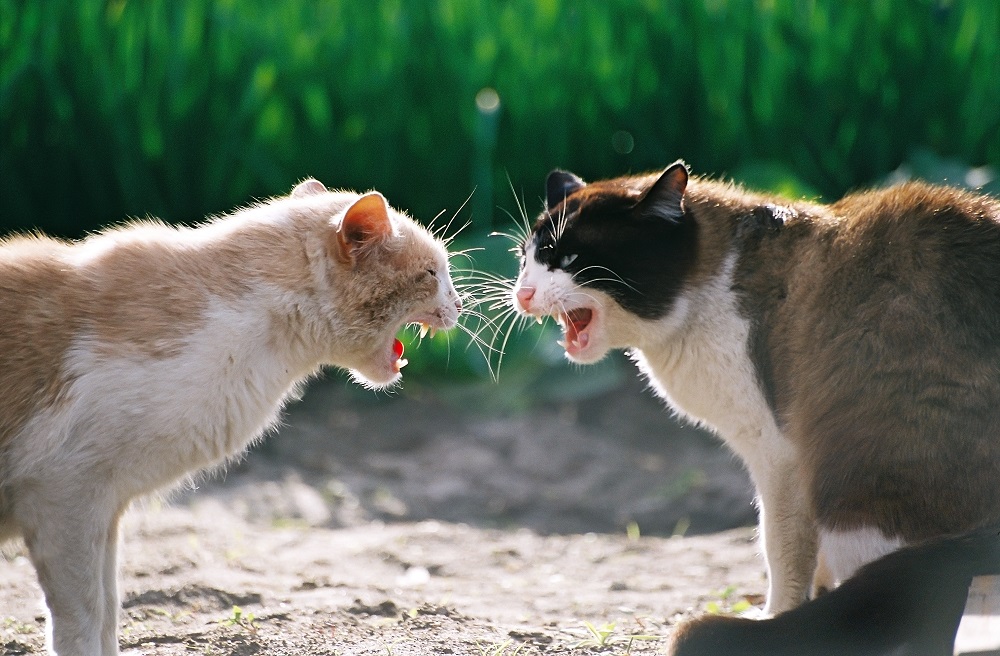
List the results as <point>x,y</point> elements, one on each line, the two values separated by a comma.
<point>396,525</point>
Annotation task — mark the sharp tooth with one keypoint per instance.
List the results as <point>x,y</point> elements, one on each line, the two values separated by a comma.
<point>402,362</point>
<point>433,331</point>
<point>561,343</point>
<point>423,330</point>
<point>538,319</point>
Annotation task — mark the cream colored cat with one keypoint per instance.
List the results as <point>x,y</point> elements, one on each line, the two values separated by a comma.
<point>142,354</point>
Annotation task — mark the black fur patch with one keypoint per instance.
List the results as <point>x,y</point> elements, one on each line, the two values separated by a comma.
<point>606,241</point>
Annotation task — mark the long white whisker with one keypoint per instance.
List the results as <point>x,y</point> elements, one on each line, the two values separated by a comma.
<point>593,298</point>
<point>448,240</point>
<point>514,238</point>
<point>457,212</point>
<point>430,224</point>
<point>506,338</point>
<point>524,223</point>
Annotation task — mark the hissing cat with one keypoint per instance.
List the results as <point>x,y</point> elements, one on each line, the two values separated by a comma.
<point>849,353</point>
<point>145,353</point>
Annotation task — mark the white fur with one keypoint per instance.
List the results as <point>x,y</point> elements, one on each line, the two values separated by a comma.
<point>701,366</point>
<point>134,425</point>
<point>845,552</point>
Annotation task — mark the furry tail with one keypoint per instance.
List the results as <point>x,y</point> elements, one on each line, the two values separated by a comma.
<point>908,603</point>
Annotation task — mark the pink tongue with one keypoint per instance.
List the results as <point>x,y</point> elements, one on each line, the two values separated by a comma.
<point>397,348</point>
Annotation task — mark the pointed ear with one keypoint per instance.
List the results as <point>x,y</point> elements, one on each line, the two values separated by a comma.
<point>308,187</point>
<point>365,224</point>
<point>559,185</point>
<point>665,198</point>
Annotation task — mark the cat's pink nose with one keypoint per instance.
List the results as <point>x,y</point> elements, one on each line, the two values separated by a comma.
<point>524,295</point>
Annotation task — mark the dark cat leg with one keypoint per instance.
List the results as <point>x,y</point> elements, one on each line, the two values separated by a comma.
<point>909,603</point>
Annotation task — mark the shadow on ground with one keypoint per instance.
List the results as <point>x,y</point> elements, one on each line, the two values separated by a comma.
<point>596,464</point>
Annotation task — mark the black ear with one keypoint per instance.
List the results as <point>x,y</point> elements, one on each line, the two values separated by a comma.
<point>559,185</point>
<point>665,198</point>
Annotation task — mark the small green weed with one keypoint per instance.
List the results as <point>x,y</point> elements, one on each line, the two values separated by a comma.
<point>21,628</point>
<point>500,648</point>
<point>728,603</point>
<point>239,618</point>
<point>604,636</point>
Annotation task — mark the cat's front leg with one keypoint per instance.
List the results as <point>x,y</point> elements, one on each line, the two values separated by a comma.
<point>112,603</point>
<point>788,536</point>
<point>67,533</point>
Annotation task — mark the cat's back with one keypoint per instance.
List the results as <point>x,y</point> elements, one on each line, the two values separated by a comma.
<point>133,291</point>
<point>924,219</point>
<point>916,257</point>
<point>35,282</point>
<point>38,294</point>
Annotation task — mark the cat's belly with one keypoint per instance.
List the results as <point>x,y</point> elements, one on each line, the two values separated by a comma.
<point>844,552</point>
<point>147,421</point>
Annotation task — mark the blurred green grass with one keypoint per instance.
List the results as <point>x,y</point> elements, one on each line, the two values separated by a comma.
<point>184,108</point>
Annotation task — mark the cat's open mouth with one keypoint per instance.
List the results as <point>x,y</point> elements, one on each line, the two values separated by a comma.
<point>397,350</point>
<point>575,323</point>
<point>399,361</point>
<point>397,346</point>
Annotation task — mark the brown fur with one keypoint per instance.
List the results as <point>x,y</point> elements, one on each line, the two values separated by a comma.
<point>38,379</point>
<point>878,321</point>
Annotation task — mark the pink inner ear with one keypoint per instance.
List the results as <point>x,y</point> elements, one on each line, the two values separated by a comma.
<point>367,220</point>
<point>309,187</point>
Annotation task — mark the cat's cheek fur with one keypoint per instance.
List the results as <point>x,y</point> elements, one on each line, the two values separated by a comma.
<point>382,368</point>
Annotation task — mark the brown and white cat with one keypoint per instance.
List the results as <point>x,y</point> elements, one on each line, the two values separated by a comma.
<point>145,353</point>
<point>848,353</point>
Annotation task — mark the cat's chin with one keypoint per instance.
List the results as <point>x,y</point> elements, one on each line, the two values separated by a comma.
<point>375,382</point>
<point>588,355</point>
<point>384,369</point>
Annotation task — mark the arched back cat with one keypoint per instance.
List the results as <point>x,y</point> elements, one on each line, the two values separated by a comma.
<point>848,353</point>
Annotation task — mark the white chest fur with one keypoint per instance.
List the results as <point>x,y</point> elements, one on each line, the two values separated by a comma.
<point>702,367</point>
